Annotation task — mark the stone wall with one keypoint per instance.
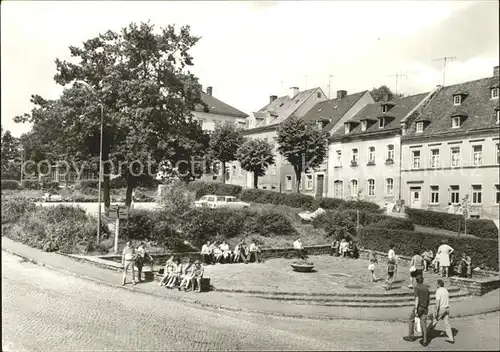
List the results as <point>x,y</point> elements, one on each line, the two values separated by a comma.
<point>476,287</point>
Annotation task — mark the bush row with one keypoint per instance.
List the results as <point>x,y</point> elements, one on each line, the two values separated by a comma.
<point>60,228</point>
<point>478,227</point>
<point>28,184</point>
<point>221,189</point>
<point>484,252</point>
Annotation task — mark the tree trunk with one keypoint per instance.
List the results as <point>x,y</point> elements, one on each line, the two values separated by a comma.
<point>255,180</point>
<point>223,172</point>
<point>131,184</point>
<point>298,177</point>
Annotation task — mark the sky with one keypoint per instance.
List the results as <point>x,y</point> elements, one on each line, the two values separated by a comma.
<point>250,50</point>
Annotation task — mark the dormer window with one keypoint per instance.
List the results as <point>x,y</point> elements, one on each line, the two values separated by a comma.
<point>498,117</point>
<point>420,127</point>
<point>347,128</point>
<point>457,99</point>
<point>381,122</point>
<point>455,122</point>
<point>385,108</point>
<point>494,93</point>
<point>364,125</point>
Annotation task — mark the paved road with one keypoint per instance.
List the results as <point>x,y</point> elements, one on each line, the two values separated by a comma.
<point>45,311</point>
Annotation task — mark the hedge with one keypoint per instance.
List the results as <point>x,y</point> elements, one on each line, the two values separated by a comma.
<point>30,184</point>
<point>483,228</point>
<point>85,184</point>
<point>484,252</point>
<point>293,200</point>
<point>221,189</point>
<point>10,184</point>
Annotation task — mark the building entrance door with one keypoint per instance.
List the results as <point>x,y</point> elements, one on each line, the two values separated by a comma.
<point>415,197</point>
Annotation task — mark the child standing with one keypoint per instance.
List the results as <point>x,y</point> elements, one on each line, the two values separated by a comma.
<point>371,266</point>
<point>391,268</point>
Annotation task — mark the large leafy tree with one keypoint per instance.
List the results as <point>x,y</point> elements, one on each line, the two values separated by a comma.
<point>379,93</point>
<point>302,144</point>
<point>10,155</point>
<point>224,143</point>
<point>140,79</point>
<point>255,156</point>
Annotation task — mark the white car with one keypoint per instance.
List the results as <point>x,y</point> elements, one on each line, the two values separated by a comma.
<point>213,202</point>
<point>48,197</point>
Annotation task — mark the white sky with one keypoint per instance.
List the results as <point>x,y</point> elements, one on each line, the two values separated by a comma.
<point>250,50</point>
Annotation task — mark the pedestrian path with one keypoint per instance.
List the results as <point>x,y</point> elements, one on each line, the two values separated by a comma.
<point>234,301</point>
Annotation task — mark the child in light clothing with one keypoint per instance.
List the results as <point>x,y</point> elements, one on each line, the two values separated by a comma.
<point>373,260</point>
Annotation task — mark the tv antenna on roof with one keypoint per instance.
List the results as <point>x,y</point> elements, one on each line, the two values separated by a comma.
<point>445,59</point>
<point>398,76</point>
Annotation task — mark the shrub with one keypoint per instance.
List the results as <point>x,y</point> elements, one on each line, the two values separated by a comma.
<point>13,209</point>
<point>141,224</point>
<point>50,186</point>
<point>10,184</point>
<point>202,188</point>
<point>177,200</point>
<point>85,184</point>
<point>30,184</point>
<point>394,224</point>
<point>362,205</point>
<point>299,200</point>
<point>329,203</point>
<point>269,223</point>
<point>478,227</point>
<point>117,183</point>
<point>335,223</point>
<point>484,252</point>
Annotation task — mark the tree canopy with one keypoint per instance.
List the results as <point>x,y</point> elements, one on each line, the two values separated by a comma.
<point>255,155</point>
<point>139,76</point>
<point>302,144</point>
<point>224,143</point>
<point>10,156</point>
<point>379,93</point>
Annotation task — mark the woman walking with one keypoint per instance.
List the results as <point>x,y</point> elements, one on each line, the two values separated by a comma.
<point>444,251</point>
<point>416,267</point>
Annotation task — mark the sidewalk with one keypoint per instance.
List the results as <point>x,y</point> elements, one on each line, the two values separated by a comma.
<point>234,301</point>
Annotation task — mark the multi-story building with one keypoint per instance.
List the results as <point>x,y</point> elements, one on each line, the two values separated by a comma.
<point>452,149</point>
<point>364,155</point>
<point>264,125</point>
<point>328,115</point>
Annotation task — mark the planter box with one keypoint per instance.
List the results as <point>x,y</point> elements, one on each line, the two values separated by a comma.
<point>302,268</point>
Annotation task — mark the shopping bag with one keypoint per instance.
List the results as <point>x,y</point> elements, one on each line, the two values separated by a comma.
<point>418,328</point>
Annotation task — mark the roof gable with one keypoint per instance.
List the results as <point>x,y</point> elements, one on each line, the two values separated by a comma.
<point>283,107</point>
<point>215,106</point>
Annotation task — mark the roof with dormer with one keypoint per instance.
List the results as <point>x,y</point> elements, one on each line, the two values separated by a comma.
<point>399,108</point>
<point>215,106</point>
<point>477,109</point>
<point>333,110</point>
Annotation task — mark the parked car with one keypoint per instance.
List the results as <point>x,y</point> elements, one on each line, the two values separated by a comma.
<point>49,197</point>
<point>212,201</point>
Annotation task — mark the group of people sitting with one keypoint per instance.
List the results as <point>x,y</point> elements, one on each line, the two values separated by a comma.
<point>344,248</point>
<point>185,277</point>
<point>445,262</point>
<point>215,252</point>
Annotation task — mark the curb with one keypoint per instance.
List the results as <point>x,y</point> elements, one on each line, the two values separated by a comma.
<point>198,304</point>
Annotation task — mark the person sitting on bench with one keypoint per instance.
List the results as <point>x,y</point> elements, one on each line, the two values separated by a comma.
<point>187,275</point>
<point>175,276</point>
<point>197,276</point>
<point>168,270</point>
<point>254,253</point>
<point>226,253</point>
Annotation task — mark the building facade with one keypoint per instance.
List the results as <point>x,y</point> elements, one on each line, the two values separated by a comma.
<point>364,155</point>
<point>328,115</point>
<point>452,150</point>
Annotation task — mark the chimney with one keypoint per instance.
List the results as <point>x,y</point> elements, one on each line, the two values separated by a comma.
<point>341,94</point>
<point>294,91</point>
<point>272,98</point>
<point>209,91</point>
<point>495,71</point>
<point>387,97</point>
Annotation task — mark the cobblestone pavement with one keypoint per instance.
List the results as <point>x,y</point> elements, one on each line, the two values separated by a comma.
<point>45,311</point>
<point>332,275</point>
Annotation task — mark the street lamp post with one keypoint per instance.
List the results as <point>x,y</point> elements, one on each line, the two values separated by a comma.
<point>90,89</point>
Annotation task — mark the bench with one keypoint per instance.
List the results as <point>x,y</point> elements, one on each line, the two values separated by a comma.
<point>205,281</point>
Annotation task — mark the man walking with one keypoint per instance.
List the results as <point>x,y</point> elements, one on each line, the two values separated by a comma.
<point>442,311</point>
<point>299,249</point>
<point>128,261</point>
<point>422,298</point>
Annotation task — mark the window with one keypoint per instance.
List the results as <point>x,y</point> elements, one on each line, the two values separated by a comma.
<point>385,108</point>
<point>381,122</point>
<point>390,152</point>
<point>354,188</point>
<point>434,195</point>
<point>309,182</point>
<point>477,194</point>
<point>498,153</point>
<point>455,122</point>
<point>339,158</point>
<point>434,158</point>
<point>288,183</point>
<point>498,117</point>
<point>347,128</point>
<point>477,156</point>
<point>416,159</point>
<point>355,156</point>
<point>457,99</point>
<point>371,187</point>
<point>454,194</point>
<point>455,156</point>
<point>363,125</point>
<point>338,189</point>
<point>234,170</point>
<point>389,187</point>
<point>420,127</point>
<point>494,93</point>
<point>497,194</point>
<point>371,155</point>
